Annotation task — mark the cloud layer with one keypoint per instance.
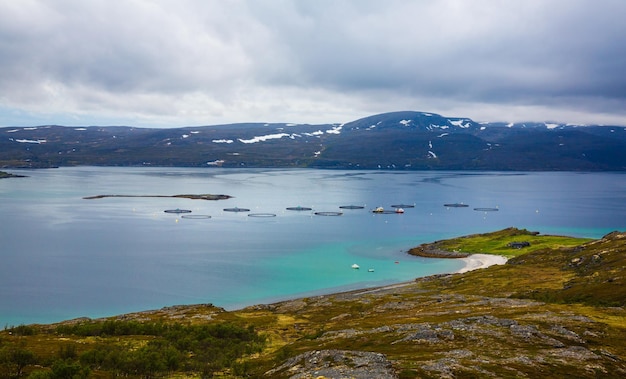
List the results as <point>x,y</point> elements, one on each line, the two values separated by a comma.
<point>185,62</point>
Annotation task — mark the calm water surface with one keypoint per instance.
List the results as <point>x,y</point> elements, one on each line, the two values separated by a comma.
<point>63,256</point>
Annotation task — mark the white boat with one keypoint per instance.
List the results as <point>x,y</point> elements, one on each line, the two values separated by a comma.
<point>355,266</point>
<point>370,270</point>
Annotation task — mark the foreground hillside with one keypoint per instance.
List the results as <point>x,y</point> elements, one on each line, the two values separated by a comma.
<point>555,311</point>
<point>398,140</point>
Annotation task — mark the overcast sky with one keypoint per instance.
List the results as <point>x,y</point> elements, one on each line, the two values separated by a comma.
<point>177,63</point>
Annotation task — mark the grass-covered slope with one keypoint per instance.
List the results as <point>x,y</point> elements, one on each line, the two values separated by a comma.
<point>556,310</point>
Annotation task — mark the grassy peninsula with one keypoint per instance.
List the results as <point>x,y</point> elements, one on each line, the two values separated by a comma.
<point>556,309</point>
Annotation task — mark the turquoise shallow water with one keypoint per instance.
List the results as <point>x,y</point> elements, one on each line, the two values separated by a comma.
<point>65,257</point>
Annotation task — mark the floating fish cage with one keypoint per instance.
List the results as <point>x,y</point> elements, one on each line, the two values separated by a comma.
<point>328,213</point>
<point>298,208</point>
<point>236,209</point>
<point>195,217</point>
<point>262,215</point>
<point>456,205</point>
<point>403,206</point>
<point>351,207</point>
<point>177,211</point>
<point>486,209</point>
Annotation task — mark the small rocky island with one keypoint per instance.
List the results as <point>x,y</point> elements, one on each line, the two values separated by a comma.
<point>193,197</point>
<point>4,175</point>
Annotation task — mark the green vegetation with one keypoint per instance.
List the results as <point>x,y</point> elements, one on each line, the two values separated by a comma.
<point>556,309</point>
<point>498,243</point>
<point>128,348</point>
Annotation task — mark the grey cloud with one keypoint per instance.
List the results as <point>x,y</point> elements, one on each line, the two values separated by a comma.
<point>250,58</point>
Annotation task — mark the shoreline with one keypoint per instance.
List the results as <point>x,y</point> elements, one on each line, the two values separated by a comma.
<point>478,261</point>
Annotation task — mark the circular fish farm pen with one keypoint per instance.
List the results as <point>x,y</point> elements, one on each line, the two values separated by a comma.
<point>262,215</point>
<point>456,205</point>
<point>236,209</point>
<point>403,206</point>
<point>299,208</point>
<point>351,207</point>
<point>486,209</point>
<point>195,217</point>
<point>328,213</point>
<point>177,211</point>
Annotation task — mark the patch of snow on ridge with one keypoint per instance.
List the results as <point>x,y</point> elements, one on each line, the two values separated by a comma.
<point>39,141</point>
<point>222,141</point>
<point>510,125</point>
<point>263,138</point>
<point>430,144</point>
<point>460,123</point>
<point>185,135</point>
<point>12,130</point>
<point>405,122</point>
<point>431,154</point>
<point>317,133</point>
<point>442,135</point>
<point>334,130</point>
<point>80,129</point>
<point>551,126</point>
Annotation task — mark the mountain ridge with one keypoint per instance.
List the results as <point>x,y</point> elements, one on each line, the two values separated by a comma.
<point>404,140</point>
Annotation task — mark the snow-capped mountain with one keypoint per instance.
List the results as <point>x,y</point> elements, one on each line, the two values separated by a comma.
<point>398,140</point>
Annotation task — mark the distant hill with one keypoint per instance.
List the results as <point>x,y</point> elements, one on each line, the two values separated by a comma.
<point>399,140</point>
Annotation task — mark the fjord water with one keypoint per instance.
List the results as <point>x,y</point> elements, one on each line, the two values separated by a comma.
<point>63,256</point>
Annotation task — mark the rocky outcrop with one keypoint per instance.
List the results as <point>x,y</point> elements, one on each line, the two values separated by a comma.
<point>336,364</point>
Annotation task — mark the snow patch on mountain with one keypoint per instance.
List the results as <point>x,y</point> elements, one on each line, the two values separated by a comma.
<point>431,154</point>
<point>222,141</point>
<point>39,141</point>
<point>317,133</point>
<point>334,130</point>
<point>405,122</point>
<point>263,138</point>
<point>463,123</point>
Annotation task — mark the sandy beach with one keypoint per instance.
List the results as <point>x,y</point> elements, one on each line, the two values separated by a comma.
<point>476,261</point>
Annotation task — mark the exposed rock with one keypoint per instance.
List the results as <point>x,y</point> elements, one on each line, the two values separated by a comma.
<point>336,364</point>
